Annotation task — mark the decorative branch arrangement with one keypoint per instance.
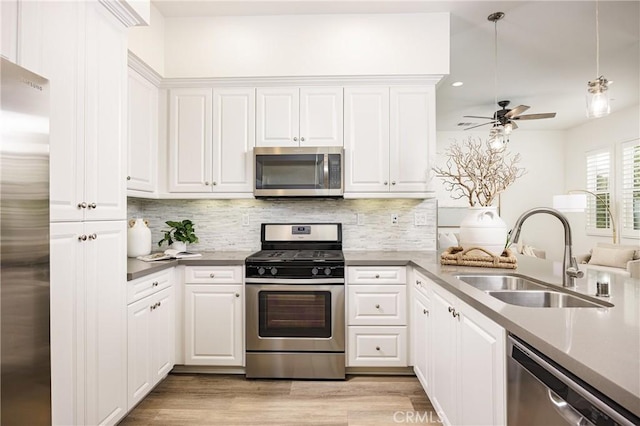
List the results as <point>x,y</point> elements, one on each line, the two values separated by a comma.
<point>478,172</point>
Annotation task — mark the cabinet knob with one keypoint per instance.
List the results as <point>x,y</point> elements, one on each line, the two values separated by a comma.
<point>450,309</point>
<point>154,284</point>
<point>295,139</point>
<point>212,275</point>
<point>302,139</point>
<point>393,182</point>
<point>377,348</point>
<point>377,306</point>
<point>377,275</point>
<point>92,205</point>
<point>424,311</point>
<point>128,177</point>
<point>418,282</point>
<point>386,183</point>
<point>159,304</point>
<point>82,238</point>
<point>82,205</point>
<point>215,183</point>
<point>237,294</point>
<point>206,183</point>
<point>93,236</point>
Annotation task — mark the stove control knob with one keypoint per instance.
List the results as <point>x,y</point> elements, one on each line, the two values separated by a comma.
<point>274,271</point>
<point>327,271</point>
<point>314,271</point>
<point>261,271</point>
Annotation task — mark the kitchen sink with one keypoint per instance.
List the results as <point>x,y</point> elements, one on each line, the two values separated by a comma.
<point>543,299</point>
<point>500,282</point>
<point>522,291</point>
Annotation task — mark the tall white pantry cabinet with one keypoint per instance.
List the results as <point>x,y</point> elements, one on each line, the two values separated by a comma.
<point>81,47</point>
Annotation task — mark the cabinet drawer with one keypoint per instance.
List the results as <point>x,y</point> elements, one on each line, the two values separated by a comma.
<point>377,347</point>
<point>213,275</point>
<point>377,275</point>
<point>377,305</point>
<point>145,286</point>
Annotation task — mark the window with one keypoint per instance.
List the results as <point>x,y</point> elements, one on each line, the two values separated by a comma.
<point>599,182</point>
<point>631,189</point>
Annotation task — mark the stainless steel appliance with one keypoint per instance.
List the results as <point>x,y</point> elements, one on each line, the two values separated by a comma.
<point>542,393</point>
<point>295,309</point>
<point>24,247</point>
<point>298,172</point>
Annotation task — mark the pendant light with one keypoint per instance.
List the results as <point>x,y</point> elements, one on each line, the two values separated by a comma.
<point>498,136</point>
<point>597,89</point>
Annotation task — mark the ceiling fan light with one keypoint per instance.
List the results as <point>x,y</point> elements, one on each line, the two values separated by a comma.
<point>508,128</point>
<point>598,98</point>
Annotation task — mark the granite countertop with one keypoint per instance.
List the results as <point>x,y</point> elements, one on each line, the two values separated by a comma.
<point>599,345</point>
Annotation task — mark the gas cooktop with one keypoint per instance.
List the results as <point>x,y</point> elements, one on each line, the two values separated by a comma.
<point>296,256</point>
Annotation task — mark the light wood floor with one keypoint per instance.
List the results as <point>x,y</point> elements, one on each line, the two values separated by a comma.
<point>207,399</point>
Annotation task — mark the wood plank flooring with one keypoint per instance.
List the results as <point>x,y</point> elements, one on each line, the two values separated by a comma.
<point>210,399</point>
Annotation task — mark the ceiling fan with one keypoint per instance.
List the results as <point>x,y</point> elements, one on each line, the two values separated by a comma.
<point>506,117</point>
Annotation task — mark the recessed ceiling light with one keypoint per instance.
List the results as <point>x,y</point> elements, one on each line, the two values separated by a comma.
<point>457,83</point>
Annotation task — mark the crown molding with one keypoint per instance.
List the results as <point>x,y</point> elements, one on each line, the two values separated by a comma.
<point>142,68</point>
<point>391,80</point>
<point>125,14</point>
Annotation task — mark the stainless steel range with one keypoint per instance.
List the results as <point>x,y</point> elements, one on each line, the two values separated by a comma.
<point>295,303</point>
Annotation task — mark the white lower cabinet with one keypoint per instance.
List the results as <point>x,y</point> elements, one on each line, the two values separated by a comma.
<point>468,362</point>
<point>376,317</point>
<point>88,322</point>
<point>151,333</point>
<point>420,331</point>
<point>214,316</point>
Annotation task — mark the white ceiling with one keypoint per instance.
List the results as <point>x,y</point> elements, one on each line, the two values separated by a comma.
<point>546,51</point>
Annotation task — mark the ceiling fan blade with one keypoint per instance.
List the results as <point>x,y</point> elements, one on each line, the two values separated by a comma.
<point>513,125</point>
<point>517,111</point>
<point>535,116</point>
<point>477,116</point>
<point>479,125</point>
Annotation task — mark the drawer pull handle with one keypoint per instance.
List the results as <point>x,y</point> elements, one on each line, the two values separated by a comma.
<point>450,309</point>
<point>212,275</point>
<point>377,306</point>
<point>377,348</point>
<point>419,283</point>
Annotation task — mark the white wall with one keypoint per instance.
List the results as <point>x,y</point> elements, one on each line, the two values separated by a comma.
<point>307,45</point>
<point>147,43</point>
<point>606,132</point>
<point>542,155</point>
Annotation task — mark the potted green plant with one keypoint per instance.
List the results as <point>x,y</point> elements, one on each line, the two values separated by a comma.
<point>179,234</point>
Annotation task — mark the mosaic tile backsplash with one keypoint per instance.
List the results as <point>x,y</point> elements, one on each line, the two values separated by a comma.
<point>228,225</point>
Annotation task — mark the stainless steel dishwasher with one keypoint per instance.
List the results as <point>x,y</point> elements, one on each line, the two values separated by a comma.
<point>542,393</point>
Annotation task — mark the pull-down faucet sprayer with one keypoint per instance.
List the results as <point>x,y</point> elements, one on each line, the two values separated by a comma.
<point>569,263</point>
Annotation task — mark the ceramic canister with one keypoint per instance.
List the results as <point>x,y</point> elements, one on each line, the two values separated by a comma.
<point>138,238</point>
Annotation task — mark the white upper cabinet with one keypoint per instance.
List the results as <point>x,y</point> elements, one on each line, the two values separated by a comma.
<point>81,49</point>
<point>234,137</point>
<point>412,138</point>
<point>9,29</point>
<point>142,133</point>
<point>292,117</point>
<point>389,140</point>
<point>211,138</point>
<point>366,139</point>
<point>190,122</point>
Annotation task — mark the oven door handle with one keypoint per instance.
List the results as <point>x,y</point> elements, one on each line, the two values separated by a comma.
<point>318,281</point>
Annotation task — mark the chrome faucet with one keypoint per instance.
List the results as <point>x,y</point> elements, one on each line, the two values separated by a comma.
<point>571,272</point>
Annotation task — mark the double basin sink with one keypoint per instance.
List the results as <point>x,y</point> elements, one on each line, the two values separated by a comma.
<point>523,291</point>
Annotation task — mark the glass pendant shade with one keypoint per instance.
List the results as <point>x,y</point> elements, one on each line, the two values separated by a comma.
<point>598,98</point>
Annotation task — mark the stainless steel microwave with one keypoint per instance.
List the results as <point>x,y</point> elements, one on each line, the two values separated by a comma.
<point>298,172</point>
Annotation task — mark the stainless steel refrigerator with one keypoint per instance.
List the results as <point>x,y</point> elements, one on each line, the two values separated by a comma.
<point>24,247</point>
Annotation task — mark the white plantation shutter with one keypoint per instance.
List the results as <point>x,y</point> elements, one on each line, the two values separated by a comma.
<point>599,182</point>
<point>631,189</point>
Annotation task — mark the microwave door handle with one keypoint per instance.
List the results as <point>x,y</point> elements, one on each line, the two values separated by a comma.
<point>326,171</point>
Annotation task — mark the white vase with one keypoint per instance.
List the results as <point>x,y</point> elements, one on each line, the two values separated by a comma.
<point>179,245</point>
<point>482,227</point>
<point>138,238</point>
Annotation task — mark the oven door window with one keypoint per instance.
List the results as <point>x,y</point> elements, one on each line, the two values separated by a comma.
<point>295,314</point>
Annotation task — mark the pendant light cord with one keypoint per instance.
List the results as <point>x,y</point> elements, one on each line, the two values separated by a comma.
<point>495,65</point>
<point>597,41</point>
